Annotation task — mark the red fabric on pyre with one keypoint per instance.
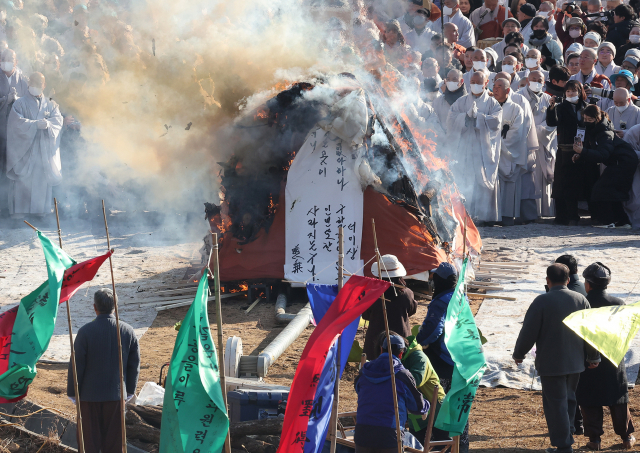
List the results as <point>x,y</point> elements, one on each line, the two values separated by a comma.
<point>399,233</point>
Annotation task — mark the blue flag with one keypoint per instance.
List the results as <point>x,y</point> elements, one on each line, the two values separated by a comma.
<point>320,298</point>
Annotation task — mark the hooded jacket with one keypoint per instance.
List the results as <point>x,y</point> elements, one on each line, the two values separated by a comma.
<point>432,335</point>
<point>418,364</point>
<point>376,419</point>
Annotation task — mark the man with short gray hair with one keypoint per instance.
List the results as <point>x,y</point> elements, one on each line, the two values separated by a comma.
<point>97,365</point>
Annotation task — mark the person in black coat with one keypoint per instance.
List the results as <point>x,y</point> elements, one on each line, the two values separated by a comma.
<point>574,279</point>
<point>624,19</point>
<point>601,145</point>
<point>572,181</point>
<point>607,384</point>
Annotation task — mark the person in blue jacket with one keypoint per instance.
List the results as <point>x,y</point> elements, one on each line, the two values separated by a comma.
<point>375,430</point>
<point>431,337</point>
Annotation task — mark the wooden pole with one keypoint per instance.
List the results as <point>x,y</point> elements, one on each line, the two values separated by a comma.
<point>123,426</point>
<point>73,353</point>
<point>386,329</point>
<point>223,384</point>
<point>336,386</point>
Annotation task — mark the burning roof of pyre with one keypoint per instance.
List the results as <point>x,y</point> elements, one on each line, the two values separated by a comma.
<point>403,183</point>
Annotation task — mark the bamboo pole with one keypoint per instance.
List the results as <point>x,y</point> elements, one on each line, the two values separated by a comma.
<point>223,384</point>
<point>336,386</point>
<point>74,371</point>
<point>386,329</point>
<point>120,364</point>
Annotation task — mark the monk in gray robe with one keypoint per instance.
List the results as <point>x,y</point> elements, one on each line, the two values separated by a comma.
<point>33,151</point>
<point>476,148</point>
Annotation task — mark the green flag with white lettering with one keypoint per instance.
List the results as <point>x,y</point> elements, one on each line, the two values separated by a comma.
<point>34,323</point>
<point>462,339</point>
<point>194,419</point>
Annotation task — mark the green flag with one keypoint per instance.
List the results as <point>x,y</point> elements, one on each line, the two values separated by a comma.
<point>608,329</point>
<point>194,418</point>
<point>34,323</point>
<point>463,342</point>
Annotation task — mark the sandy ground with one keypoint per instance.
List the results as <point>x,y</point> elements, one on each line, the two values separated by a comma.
<point>502,419</point>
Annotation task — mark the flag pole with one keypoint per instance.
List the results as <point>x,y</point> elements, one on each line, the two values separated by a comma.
<point>336,386</point>
<point>223,384</point>
<point>73,352</point>
<point>386,329</point>
<point>120,365</point>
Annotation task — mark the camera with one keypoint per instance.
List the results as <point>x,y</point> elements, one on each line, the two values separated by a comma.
<point>605,17</point>
<point>558,99</point>
<point>570,7</point>
<point>600,92</point>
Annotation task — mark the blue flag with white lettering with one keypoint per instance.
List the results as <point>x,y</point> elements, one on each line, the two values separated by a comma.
<point>320,298</point>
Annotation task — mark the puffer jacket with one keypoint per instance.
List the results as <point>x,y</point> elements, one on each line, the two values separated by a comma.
<point>376,419</point>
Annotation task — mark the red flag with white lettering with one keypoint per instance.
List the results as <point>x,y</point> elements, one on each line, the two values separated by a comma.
<point>358,294</point>
<point>74,277</point>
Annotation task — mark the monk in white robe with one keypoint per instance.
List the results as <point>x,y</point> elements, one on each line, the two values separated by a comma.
<point>14,76</point>
<point>476,149</point>
<point>539,102</point>
<point>33,151</point>
<point>452,89</point>
<point>623,113</point>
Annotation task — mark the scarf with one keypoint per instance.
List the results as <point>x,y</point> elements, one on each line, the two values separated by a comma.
<point>453,96</point>
<point>553,90</point>
<point>535,100</point>
<point>540,42</point>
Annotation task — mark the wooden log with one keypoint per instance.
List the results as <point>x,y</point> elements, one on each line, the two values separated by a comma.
<point>180,299</point>
<point>487,296</point>
<point>150,414</point>
<point>499,276</point>
<point>138,429</point>
<point>487,288</point>
<point>271,426</point>
<point>503,270</point>
<point>252,445</point>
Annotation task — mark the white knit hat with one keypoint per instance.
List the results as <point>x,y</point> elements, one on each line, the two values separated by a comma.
<point>594,36</point>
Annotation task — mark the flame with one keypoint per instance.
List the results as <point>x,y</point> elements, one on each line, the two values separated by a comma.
<point>244,287</point>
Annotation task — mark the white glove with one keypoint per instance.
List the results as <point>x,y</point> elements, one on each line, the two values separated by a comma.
<point>73,399</point>
<point>42,124</point>
<point>13,95</point>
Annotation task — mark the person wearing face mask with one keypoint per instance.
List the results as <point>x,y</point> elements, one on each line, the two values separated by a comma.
<point>476,120</point>
<point>533,62</point>
<point>602,146</point>
<point>451,13</point>
<point>479,61</point>
<point>569,30</point>
<point>13,74</point>
<point>33,154</point>
<point>572,182</point>
<point>543,42</point>
<point>621,110</point>
<point>488,19</point>
<point>513,152</point>
<point>509,65</point>
<point>633,43</point>
<point>542,175</point>
<point>624,19</point>
<point>419,37</point>
<point>452,89</point>
<point>606,54</point>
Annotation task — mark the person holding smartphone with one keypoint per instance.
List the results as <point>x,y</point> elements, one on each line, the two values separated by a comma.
<point>572,180</point>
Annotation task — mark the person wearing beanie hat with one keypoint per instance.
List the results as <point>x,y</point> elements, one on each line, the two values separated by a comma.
<point>431,336</point>
<point>575,30</point>
<point>592,40</point>
<point>633,43</point>
<point>525,14</point>
<point>607,384</point>
<point>573,48</point>
<point>606,54</point>
<point>510,25</point>
<point>400,305</point>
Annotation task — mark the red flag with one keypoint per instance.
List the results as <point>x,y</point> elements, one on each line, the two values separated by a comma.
<point>358,294</point>
<point>74,277</point>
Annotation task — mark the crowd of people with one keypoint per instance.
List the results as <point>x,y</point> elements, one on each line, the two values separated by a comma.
<point>49,53</point>
<point>535,103</point>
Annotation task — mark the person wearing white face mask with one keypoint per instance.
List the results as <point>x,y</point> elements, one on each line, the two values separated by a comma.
<point>539,101</point>
<point>419,37</point>
<point>634,43</point>
<point>509,65</point>
<point>476,119</point>
<point>479,59</point>
<point>623,114</point>
<point>13,74</point>
<point>451,12</point>
<point>452,89</point>
<point>33,153</point>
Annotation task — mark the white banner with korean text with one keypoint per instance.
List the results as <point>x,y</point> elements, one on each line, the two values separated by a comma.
<point>323,192</point>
